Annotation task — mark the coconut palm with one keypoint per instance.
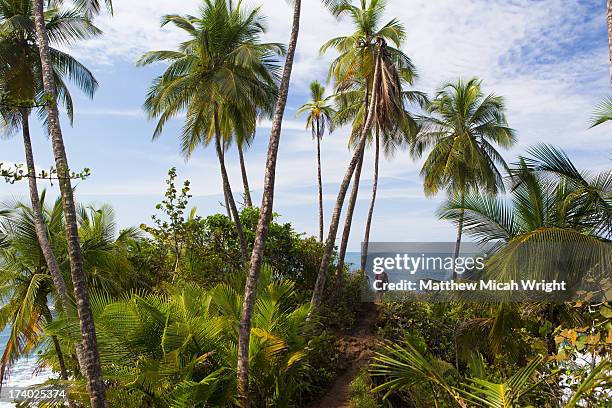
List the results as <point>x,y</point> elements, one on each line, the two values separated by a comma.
<point>385,110</point>
<point>556,212</point>
<point>22,85</point>
<point>320,114</point>
<point>461,128</point>
<point>391,142</point>
<point>23,267</point>
<point>27,284</point>
<point>89,349</point>
<point>219,78</point>
<point>353,71</point>
<point>267,205</point>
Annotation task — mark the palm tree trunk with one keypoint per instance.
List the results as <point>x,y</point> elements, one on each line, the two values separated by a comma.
<point>43,239</point>
<point>265,214</point>
<point>366,237</point>
<point>228,211</point>
<point>227,190</point>
<point>459,233</point>
<point>60,358</point>
<point>41,234</point>
<point>41,231</point>
<point>317,295</point>
<point>609,18</point>
<point>320,182</point>
<point>248,202</point>
<point>90,357</point>
<point>346,232</point>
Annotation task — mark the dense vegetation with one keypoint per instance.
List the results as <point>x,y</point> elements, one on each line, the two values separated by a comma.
<point>238,309</point>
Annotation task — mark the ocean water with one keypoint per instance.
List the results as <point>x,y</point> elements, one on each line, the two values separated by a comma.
<point>353,260</point>
<point>23,373</point>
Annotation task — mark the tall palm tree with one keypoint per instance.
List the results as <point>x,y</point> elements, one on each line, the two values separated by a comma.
<point>353,70</point>
<point>461,127</point>
<point>219,77</point>
<point>385,110</point>
<point>89,347</point>
<point>320,114</point>
<point>21,83</point>
<point>399,139</point>
<point>267,205</point>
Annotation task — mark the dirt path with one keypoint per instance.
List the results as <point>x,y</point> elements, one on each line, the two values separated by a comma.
<point>356,348</point>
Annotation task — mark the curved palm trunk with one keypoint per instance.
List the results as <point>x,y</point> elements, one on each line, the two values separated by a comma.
<point>227,191</point>
<point>346,232</point>
<point>248,202</point>
<point>366,237</point>
<point>317,295</point>
<point>609,19</point>
<point>41,234</point>
<point>265,214</point>
<point>320,182</point>
<point>90,358</point>
<point>41,231</point>
<point>459,233</point>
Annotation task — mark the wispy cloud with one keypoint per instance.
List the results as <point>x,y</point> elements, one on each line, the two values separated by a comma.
<point>548,58</point>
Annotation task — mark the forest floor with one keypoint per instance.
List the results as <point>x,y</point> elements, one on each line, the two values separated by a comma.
<point>356,348</point>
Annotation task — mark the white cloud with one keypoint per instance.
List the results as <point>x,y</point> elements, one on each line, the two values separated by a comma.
<point>545,57</point>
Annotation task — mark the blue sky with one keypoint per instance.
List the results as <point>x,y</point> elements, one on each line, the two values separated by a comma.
<point>547,57</point>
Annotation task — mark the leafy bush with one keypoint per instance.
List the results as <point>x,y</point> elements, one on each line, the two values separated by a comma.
<point>179,349</point>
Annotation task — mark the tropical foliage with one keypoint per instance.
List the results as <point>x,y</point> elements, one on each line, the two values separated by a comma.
<point>199,309</point>
<point>179,348</point>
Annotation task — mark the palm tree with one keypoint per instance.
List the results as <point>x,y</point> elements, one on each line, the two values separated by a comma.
<point>391,142</point>
<point>89,349</point>
<point>26,281</point>
<point>22,84</point>
<point>552,202</point>
<point>461,126</point>
<point>353,72</point>
<point>26,284</point>
<point>404,367</point>
<point>219,77</point>
<point>320,115</point>
<point>267,205</point>
<point>385,110</point>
